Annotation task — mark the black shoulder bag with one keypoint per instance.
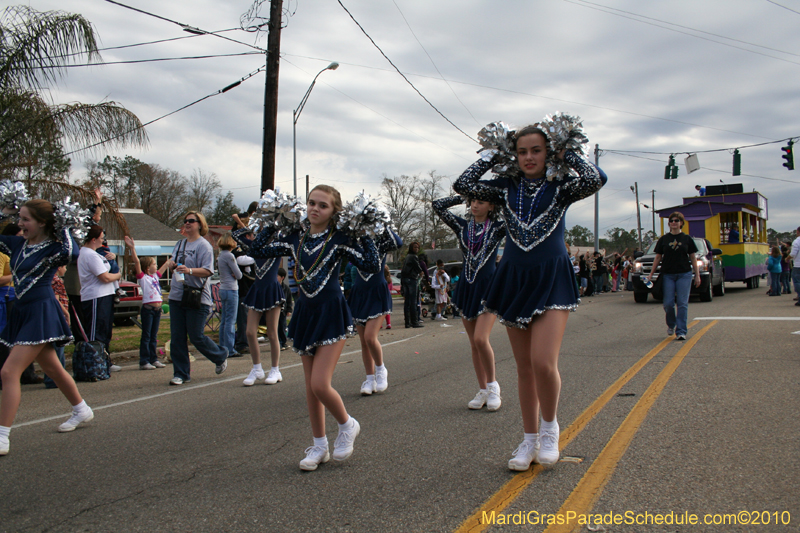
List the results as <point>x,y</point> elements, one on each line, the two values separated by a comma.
<point>192,296</point>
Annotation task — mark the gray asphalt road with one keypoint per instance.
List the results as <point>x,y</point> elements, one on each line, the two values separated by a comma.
<point>716,435</point>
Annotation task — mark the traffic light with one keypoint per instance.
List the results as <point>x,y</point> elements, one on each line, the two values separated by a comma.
<point>671,170</point>
<point>737,163</point>
<point>789,164</point>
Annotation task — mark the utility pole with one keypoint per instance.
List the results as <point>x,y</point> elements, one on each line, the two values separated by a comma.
<point>638,214</point>
<point>597,206</point>
<point>271,96</point>
<point>306,185</point>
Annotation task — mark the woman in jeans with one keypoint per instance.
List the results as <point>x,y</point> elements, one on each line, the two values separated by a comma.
<point>193,262</point>
<point>675,252</point>
<point>229,274</point>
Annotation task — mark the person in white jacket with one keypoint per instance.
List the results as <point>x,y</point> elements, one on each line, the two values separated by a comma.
<point>440,283</point>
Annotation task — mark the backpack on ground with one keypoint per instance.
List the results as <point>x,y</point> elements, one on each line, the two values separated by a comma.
<point>90,361</point>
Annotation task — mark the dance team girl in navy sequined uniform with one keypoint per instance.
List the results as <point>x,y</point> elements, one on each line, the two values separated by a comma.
<point>369,302</point>
<point>534,289</point>
<point>265,296</point>
<point>37,322</point>
<point>478,239</point>
<point>321,320</point>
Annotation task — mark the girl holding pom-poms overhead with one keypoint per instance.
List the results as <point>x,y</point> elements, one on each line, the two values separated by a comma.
<point>321,320</point>
<point>369,298</point>
<point>38,323</point>
<point>542,171</point>
<point>478,238</point>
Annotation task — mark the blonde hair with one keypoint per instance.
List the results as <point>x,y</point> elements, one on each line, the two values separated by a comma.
<point>226,242</point>
<point>336,200</point>
<point>145,263</point>
<point>201,219</point>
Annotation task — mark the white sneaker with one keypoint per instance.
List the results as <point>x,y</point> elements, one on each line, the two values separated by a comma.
<point>493,400</point>
<point>114,368</point>
<point>251,378</point>
<point>368,387</point>
<point>343,446</point>
<point>221,368</point>
<point>439,318</point>
<point>548,450</point>
<point>315,455</point>
<point>147,366</point>
<point>159,364</point>
<point>273,377</point>
<point>4,446</point>
<point>479,400</point>
<point>670,332</point>
<point>76,420</point>
<point>523,456</point>
<point>381,380</point>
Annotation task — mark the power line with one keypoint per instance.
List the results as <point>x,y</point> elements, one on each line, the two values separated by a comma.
<point>133,61</point>
<point>699,151</point>
<point>784,7</point>
<point>185,27</point>
<point>223,90</point>
<point>689,28</point>
<point>561,100</point>
<point>681,32</point>
<point>434,64</point>
<point>399,72</point>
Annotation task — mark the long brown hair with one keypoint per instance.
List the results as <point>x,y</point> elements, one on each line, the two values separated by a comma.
<point>42,211</point>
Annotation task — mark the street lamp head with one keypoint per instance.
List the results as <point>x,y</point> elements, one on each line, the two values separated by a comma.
<point>333,66</point>
<point>632,189</point>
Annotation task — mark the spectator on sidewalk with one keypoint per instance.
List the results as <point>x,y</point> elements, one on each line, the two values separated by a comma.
<point>148,275</point>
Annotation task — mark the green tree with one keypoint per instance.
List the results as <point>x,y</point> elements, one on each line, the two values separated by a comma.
<point>579,236</point>
<point>223,209</point>
<point>35,49</point>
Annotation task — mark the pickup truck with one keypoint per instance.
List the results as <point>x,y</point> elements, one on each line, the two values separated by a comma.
<point>712,274</point>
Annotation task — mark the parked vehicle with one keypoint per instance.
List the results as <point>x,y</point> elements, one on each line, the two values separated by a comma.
<point>712,273</point>
<point>130,305</point>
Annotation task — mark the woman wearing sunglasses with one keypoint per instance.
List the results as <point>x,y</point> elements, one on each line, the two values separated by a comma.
<point>193,262</point>
<point>675,252</point>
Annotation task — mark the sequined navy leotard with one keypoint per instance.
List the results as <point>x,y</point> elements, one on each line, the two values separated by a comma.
<point>535,273</point>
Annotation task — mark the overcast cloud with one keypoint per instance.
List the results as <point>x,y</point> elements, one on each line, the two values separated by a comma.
<point>638,87</point>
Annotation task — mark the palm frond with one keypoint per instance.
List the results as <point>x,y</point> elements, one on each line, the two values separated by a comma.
<point>89,125</point>
<point>35,46</point>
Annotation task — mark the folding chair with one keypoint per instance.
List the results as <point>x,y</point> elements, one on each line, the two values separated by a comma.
<point>214,317</point>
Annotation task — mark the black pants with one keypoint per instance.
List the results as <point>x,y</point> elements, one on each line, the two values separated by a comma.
<point>240,340</point>
<point>99,315</point>
<point>411,304</point>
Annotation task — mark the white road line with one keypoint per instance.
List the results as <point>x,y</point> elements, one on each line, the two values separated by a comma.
<point>747,318</point>
<point>183,388</point>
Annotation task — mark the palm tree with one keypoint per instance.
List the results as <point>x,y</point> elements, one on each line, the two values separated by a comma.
<point>35,48</point>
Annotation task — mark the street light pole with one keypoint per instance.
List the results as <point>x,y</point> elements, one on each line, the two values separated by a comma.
<point>296,115</point>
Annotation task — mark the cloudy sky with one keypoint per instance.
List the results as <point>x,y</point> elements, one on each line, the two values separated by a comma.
<point>648,79</point>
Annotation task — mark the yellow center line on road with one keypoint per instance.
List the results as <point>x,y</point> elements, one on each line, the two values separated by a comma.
<point>509,492</point>
<point>591,486</point>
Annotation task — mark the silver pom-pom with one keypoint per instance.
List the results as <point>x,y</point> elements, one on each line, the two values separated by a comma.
<point>12,195</point>
<point>498,138</point>
<point>72,216</point>
<point>564,132</point>
<point>278,210</point>
<point>364,214</point>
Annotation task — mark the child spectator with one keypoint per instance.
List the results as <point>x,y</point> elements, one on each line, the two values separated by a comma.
<point>148,274</point>
<point>440,283</point>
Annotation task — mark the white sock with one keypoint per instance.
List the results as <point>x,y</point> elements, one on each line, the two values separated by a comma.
<point>81,407</point>
<point>380,367</point>
<point>258,368</point>
<point>531,437</point>
<point>347,425</point>
<point>438,315</point>
<point>276,369</point>
<point>371,377</point>
<point>5,431</point>
<point>321,441</point>
<point>552,426</point>
<point>492,385</point>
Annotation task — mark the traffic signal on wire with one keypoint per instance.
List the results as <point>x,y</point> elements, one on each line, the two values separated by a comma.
<point>737,163</point>
<point>671,170</point>
<point>788,156</point>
